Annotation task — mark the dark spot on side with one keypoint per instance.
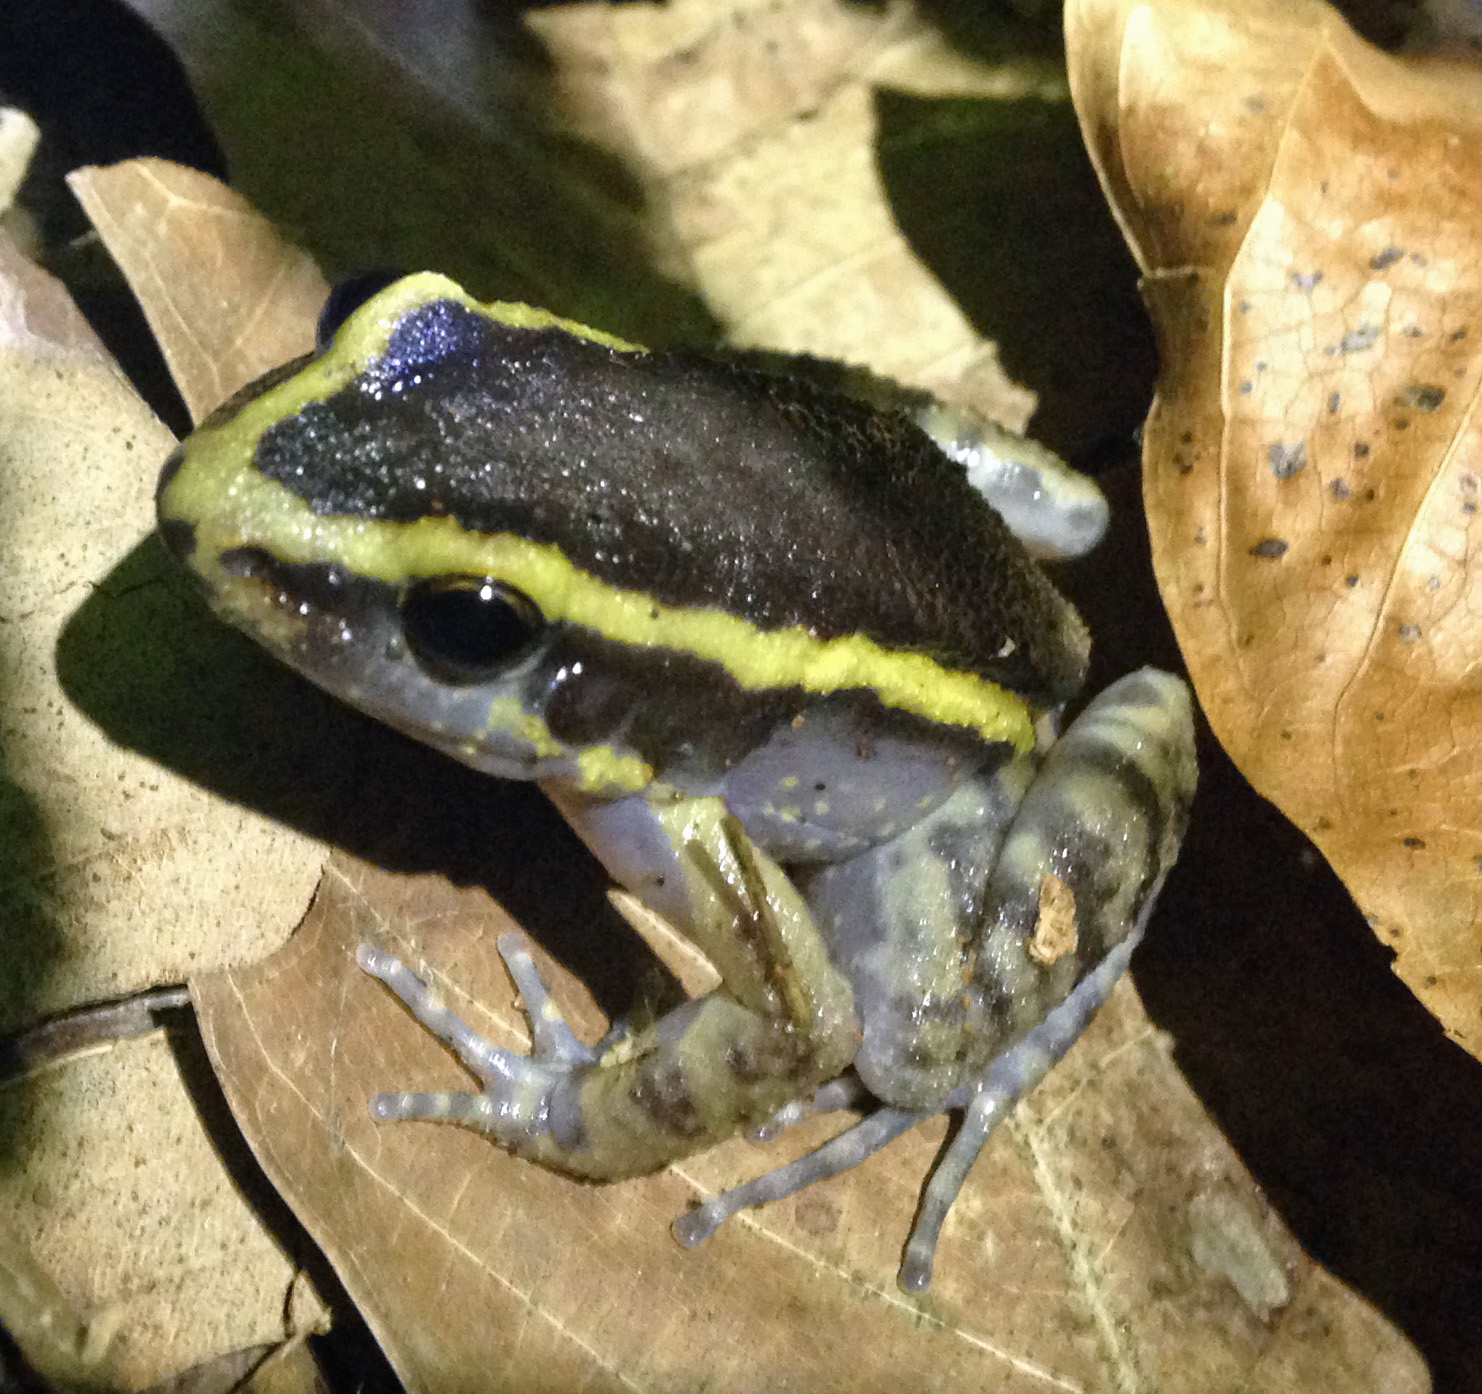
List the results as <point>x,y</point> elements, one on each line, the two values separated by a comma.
<point>1457,335</point>
<point>1385,259</point>
<point>1222,219</point>
<point>661,1093</point>
<point>1414,842</point>
<point>1247,386</point>
<point>1270,549</point>
<point>1409,633</point>
<point>1335,400</point>
<point>1419,258</point>
<point>1286,460</point>
<point>1306,280</point>
<point>744,1065</point>
<point>1338,488</point>
<point>1413,331</point>
<point>1361,451</point>
<point>1421,397</point>
<point>1350,581</point>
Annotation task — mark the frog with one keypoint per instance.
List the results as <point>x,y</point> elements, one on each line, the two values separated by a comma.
<point>780,663</point>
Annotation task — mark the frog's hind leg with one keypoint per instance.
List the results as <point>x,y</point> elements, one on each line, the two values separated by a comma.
<point>839,1154</point>
<point>1007,1080</point>
<point>985,1104</point>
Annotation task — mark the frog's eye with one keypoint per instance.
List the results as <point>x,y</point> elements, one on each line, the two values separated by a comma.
<point>468,629</point>
<point>347,297</point>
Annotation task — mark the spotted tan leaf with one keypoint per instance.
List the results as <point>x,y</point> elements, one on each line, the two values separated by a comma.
<point>1305,210</point>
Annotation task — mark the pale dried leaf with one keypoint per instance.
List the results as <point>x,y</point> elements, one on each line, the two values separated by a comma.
<point>117,874</point>
<point>1108,1184</point>
<point>752,125</point>
<point>117,1192</point>
<point>18,137</point>
<point>223,292</point>
<point>1306,210</point>
<point>105,888</point>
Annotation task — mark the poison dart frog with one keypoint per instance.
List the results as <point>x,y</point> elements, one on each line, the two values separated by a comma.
<point>783,667</point>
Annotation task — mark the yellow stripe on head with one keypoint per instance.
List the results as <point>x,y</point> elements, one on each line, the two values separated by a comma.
<point>221,493</point>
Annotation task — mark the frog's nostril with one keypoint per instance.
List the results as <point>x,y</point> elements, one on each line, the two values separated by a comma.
<point>168,472</point>
<point>178,536</point>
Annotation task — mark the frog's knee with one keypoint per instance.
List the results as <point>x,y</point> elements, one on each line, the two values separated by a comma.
<point>1107,811</point>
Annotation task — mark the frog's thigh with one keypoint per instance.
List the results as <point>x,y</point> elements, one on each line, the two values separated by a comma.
<point>1103,821</point>
<point>1087,852</point>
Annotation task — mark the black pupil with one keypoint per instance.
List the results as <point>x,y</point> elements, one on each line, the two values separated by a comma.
<point>467,630</point>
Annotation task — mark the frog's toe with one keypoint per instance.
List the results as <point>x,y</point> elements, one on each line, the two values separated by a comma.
<point>440,1108</point>
<point>839,1154</point>
<point>553,1038</point>
<point>516,1104</point>
<point>844,1092</point>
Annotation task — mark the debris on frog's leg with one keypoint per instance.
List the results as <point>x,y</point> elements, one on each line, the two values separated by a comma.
<point>839,1154</point>
<point>844,1092</point>
<point>1054,931</point>
<point>1007,1080</point>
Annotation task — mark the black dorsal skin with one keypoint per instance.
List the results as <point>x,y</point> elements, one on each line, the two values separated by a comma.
<point>700,482</point>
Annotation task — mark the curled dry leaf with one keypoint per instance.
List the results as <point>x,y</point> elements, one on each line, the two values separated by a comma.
<point>1307,213</point>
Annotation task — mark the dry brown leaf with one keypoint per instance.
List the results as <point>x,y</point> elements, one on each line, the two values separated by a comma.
<point>478,1270</point>
<point>117,874</point>
<point>1108,1240</point>
<point>1306,211</point>
<point>225,295</point>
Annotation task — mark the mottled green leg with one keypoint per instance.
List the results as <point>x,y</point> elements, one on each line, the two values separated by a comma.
<point>782,1023</point>
<point>1102,822</point>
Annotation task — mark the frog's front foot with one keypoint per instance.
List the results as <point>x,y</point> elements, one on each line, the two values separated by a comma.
<point>524,1096</point>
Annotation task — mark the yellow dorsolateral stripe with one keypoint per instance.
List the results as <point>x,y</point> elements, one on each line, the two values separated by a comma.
<point>231,504</point>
